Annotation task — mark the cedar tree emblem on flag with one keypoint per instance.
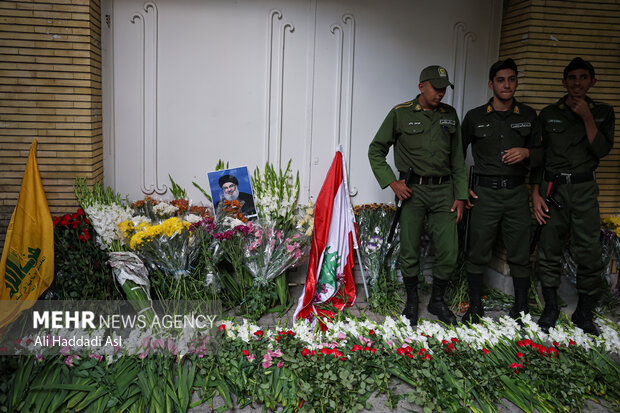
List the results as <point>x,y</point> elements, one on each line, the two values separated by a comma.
<point>329,283</point>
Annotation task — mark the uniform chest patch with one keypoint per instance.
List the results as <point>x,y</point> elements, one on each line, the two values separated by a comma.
<point>448,122</point>
<point>556,121</point>
<point>415,123</point>
<point>484,125</point>
<point>521,125</point>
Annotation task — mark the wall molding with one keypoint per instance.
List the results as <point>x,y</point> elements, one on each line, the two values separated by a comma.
<point>461,38</point>
<point>345,63</point>
<point>151,138</point>
<point>275,88</point>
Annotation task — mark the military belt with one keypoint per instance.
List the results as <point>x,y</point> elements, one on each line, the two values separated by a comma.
<point>499,182</point>
<point>426,180</point>
<point>569,178</point>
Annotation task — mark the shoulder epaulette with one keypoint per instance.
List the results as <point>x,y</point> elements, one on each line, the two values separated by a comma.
<point>404,105</point>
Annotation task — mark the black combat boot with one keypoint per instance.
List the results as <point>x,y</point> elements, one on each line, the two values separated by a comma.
<point>582,317</point>
<point>476,309</point>
<point>436,304</point>
<point>411,306</point>
<point>551,312</point>
<point>522,291</point>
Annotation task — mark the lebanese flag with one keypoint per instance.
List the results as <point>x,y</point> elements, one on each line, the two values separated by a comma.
<point>330,268</point>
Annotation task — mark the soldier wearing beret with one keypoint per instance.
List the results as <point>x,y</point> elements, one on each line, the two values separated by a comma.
<point>504,146</point>
<point>576,133</point>
<point>426,137</point>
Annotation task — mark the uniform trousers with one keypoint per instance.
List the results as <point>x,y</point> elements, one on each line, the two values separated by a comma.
<point>433,201</point>
<point>508,209</point>
<point>578,219</point>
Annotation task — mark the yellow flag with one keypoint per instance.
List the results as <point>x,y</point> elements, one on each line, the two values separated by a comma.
<point>27,265</point>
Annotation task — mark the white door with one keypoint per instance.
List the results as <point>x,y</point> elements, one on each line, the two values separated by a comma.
<point>189,82</point>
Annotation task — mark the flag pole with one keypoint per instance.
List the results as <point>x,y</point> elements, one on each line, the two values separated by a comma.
<point>352,217</point>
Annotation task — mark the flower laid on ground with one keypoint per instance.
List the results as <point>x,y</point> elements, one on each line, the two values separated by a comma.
<point>442,369</point>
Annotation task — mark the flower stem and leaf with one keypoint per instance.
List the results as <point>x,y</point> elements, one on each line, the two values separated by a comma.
<point>176,191</point>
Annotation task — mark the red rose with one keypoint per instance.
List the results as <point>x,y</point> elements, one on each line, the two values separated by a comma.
<point>409,355</point>
<point>455,340</point>
<point>259,333</point>
<point>356,347</point>
<point>400,351</point>
<point>246,353</point>
<point>485,351</point>
<point>222,327</point>
<point>519,355</point>
<point>305,352</point>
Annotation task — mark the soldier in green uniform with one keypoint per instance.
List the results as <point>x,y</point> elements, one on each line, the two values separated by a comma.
<point>576,133</point>
<point>426,137</point>
<point>503,147</point>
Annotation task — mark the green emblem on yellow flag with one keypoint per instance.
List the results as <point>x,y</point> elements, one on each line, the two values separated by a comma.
<point>27,264</point>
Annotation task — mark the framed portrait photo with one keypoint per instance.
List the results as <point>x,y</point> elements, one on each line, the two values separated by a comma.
<point>233,185</point>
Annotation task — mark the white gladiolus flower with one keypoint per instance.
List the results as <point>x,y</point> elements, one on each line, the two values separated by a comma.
<point>105,220</point>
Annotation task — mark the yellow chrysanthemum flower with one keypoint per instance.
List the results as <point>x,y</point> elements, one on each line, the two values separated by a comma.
<point>126,228</point>
<point>137,239</point>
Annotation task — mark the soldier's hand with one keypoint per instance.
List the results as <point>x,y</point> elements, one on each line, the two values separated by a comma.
<point>579,106</point>
<point>515,155</point>
<point>473,195</point>
<point>458,206</point>
<point>541,210</point>
<point>401,190</point>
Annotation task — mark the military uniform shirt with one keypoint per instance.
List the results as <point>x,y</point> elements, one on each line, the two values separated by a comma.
<point>565,141</point>
<point>429,141</point>
<point>492,132</point>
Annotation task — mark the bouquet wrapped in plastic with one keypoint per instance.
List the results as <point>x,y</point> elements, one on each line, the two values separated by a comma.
<point>270,251</point>
<point>373,223</point>
<point>169,246</point>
